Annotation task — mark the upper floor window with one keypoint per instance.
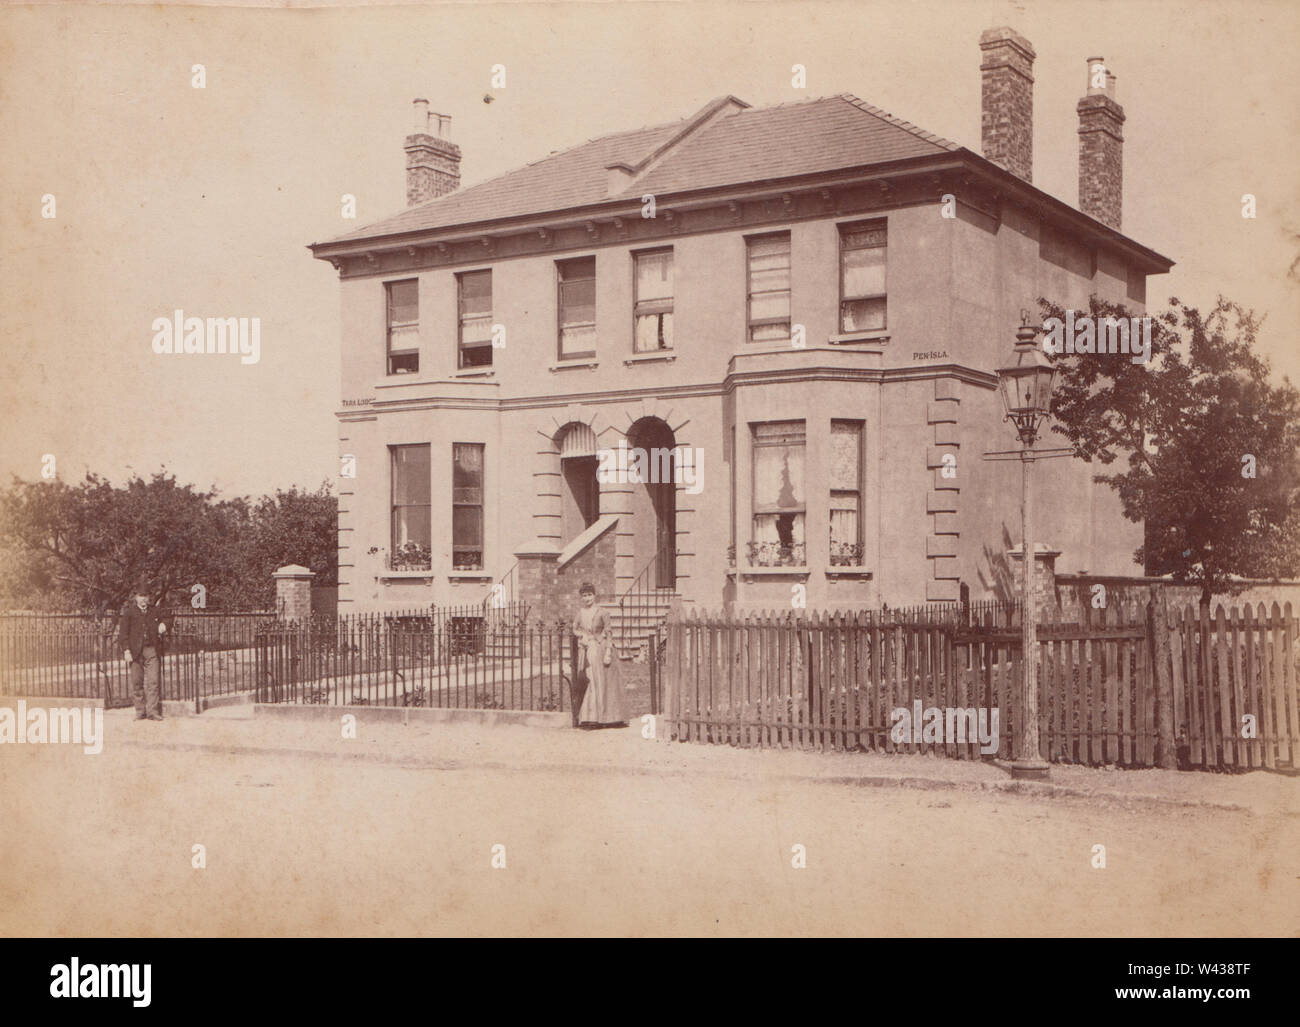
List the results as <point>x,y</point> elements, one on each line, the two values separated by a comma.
<point>769,287</point>
<point>577,307</point>
<point>411,536</point>
<point>474,298</point>
<point>403,326</point>
<point>653,302</point>
<point>467,506</point>
<point>862,276</point>
<point>778,497</point>
<point>846,493</point>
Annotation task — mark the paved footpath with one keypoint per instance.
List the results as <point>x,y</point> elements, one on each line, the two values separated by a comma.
<point>468,745</point>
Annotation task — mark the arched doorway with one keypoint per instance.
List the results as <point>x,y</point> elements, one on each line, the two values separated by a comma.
<point>580,489</point>
<point>653,473</point>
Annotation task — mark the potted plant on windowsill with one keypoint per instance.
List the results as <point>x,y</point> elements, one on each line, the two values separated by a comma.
<point>846,554</point>
<point>774,554</point>
<point>466,562</point>
<point>411,556</point>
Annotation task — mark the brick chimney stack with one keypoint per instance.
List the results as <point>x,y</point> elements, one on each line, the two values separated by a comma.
<point>1007,110</point>
<point>1101,147</point>
<point>432,159</point>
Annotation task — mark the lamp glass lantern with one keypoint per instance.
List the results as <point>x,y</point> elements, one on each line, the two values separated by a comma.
<point>1025,383</point>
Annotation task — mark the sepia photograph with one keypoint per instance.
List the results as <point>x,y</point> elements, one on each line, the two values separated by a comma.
<point>650,470</point>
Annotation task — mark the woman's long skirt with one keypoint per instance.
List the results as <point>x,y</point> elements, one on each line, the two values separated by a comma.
<point>603,701</point>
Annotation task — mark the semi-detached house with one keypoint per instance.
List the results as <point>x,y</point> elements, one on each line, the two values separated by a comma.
<point>809,322</point>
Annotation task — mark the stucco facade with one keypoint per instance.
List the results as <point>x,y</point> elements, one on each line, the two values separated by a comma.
<point>969,247</point>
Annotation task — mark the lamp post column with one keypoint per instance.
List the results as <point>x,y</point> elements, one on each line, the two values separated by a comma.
<point>1026,386</point>
<point>1028,763</point>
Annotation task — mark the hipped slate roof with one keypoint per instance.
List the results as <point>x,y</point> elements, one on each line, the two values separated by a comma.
<point>726,143</point>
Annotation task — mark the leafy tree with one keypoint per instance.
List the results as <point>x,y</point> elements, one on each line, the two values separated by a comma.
<point>292,526</point>
<point>88,546</point>
<point>1204,446</point>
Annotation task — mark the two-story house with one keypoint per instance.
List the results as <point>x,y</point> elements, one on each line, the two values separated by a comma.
<point>796,312</point>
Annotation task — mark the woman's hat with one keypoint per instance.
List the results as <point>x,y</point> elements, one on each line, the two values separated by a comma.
<point>587,587</point>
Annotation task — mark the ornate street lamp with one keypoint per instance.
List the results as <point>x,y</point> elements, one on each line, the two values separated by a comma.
<point>1025,383</point>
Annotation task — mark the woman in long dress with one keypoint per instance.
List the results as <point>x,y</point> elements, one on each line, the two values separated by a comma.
<point>603,701</point>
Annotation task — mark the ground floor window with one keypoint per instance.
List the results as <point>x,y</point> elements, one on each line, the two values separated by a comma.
<point>467,506</point>
<point>410,525</point>
<point>846,493</point>
<point>779,505</point>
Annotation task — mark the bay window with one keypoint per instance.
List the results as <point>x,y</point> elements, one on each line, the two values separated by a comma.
<point>846,493</point>
<point>779,504</point>
<point>410,536</point>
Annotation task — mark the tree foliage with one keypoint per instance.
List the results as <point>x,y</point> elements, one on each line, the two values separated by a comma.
<point>1183,434</point>
<point>292,526</point>
<point>88,546</point>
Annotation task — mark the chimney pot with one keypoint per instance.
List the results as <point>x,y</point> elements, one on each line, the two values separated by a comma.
<point>1097,69</point>
<point>432,160</point>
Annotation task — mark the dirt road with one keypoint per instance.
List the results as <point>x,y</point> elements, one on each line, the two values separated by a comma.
<point>307,844</point>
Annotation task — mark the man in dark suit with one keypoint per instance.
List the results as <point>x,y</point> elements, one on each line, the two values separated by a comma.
<point>140,635</point>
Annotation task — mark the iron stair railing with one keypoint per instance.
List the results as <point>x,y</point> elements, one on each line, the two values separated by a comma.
<point>641,602</point>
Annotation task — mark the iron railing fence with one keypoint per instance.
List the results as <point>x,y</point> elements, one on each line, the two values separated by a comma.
<point>452,657</point>
<point>77,655</point>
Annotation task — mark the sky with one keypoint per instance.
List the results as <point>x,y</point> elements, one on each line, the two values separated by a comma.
<point>170,197</point>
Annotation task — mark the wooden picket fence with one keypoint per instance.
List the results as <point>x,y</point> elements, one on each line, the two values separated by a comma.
<point>1136,685</point>
<point>1096,697</point>
<point>1222,668</point>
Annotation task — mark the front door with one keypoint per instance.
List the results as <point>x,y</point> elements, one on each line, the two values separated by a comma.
<point>654,505</point>
<point>663,496</point>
